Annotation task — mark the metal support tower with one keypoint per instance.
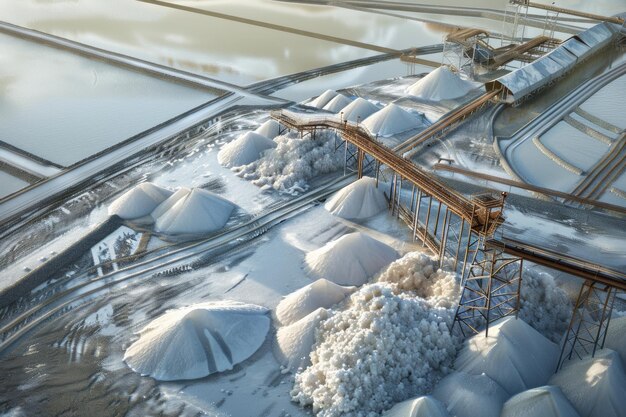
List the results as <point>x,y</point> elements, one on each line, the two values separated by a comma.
<point>590,321</point>
<point>512,31</point>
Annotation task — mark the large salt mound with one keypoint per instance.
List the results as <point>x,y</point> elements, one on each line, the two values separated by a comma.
<point>546,401</point>
<point>296,340</point>
<point>359,200</point>
<point>270,129</point>
<point>425,406</point>
<point>245,149</point>
<point>514,355</point>
<point>350,260</point>
<point>616,337</point>
<point>323,99</point>
<point>391,120</point>
<point>359,110</point>
<point>139,201</point>
<point>198,340</point>
<point>199,211</point>
<point>420,273</point>
<point>321,293</point>
<point>441,84</point>
<point>171,200</point>
<point>468,395</point>
<point>596,387</point>
<point>337,103</point>
<point>386,346</point>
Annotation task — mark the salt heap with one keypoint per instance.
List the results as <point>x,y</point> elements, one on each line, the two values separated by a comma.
<point>350,260</point>
<point>420,273</point>
<point>596,386</point>
<point>359,110</point>
<point>546,401</point>
<point>296,340</point>
<point>471,395</point>
<point>196,212</point>
<point>441,84</point>
<point>322,99</point>
<point>514,355</point>
<point>337,103</point>
<point>425,406</point>
<point>270,129</point>
<point>391,120</point>
<point>171,200</point>
<point>199,340</point>
<point>616,337</point>
<point>359,200</point>
<point>321,293</point>
<point>139,201</point>
<point>245,149</point>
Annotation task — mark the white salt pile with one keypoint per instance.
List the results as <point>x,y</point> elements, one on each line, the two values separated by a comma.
<point>139,201</point>
<point>198,340</point>
<point>468,395</point>
<point>300,303</point>
<point>441,84</point>
<point>425,406</point>
<point>197,212</point>
<point>391,120</point>
<point>359,110</point>
<point>546,401</point>
<point>337,103</point>
<point>296,340</point>
<point>543,305</point>
<point>350,260</point>
<point>596,387</point>
<point>386,347</point>
<point>270,129</point>
<point>323,99</point>
<point>171,200</point>
<point>514,355</point>
<point>245,149</point>
<point>294,161</point>
<point>616,337</point>
<point>359,200</point>
<point>420,273</point>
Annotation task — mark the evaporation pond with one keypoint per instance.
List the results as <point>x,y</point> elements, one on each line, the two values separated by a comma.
<point>64,107</point>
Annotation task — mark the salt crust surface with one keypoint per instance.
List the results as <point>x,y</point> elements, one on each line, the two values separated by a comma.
<point>468,395</point>
<point>302,302</point>
<point>387,346</point>
<point>546,401</point>
<point>139,201</point>
<point>596,386</point>
<point>359,110</point>
<point>288,167</point>
<point>296,340</point>
<point>198,211</point>
<point>425,406</point>
<point>245,149</point>
<point>391,120</point>
<point>270,129</point>
<point>441,84</point>
<point>198,340</point>
<point>514,355</point>
<point>359,200</point>
<point>337,103</point>
<point>350,260</point>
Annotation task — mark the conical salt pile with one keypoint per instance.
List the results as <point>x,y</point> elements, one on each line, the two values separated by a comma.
<point>337,103</point>
<point>471,395</point>
<point>546,401</point>
<point>139,201</point>
<point>390,121</point>
<point>198,340</point>
<point>359,110</point>
<point>359,200</point>
<point>296,340</point>
<point>350,260</point>
<point>616,337</point>
<point>425,406</point>
<point>245,149</point>
<point>323,99</point>
<point>270,129</point>
<point>441,84</point>
<point>197,212</point>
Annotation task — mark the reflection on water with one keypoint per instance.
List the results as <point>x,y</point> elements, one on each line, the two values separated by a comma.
<point>63,107</point>
<point>10,184</point>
